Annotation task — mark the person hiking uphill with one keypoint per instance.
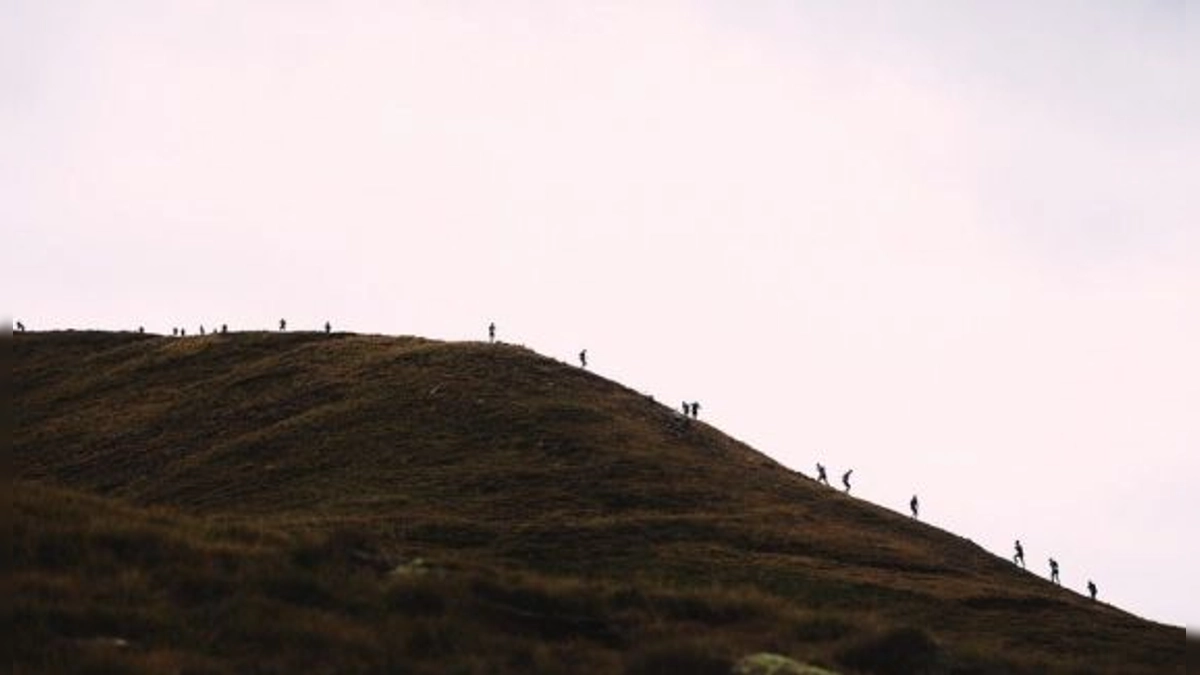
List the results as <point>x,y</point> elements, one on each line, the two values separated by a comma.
<point>583,359</point>
<point>1054,572</point>
<point>1019,554</point>
<point>846,480</point>
<point>914,506</point>
<point>821,477</point>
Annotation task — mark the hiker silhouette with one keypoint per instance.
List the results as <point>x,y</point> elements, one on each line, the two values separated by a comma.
<point>687,408</point>
<point>182,332</point>
<point>283,324</point>
<point>328,327</point>
<point>202,329</point>
<point>224,329</point>
<point>492,332</point>
<point>846,480</point>
<point>583,359</point>
<point>1054,572</point>
<point>821,477</point>
<point>1092,589</point>
<point>695,410</point>
<point>914,505</point>
<point>1019,554</point>
<point>174,332</point>
<point>20,327</point>
<point>141,330</point>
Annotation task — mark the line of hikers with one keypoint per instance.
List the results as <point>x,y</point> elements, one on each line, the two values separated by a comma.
<point>914,506</point>
<point>583,362</point>
<point>1019,559</point>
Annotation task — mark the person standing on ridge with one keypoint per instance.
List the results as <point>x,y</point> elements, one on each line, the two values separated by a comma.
<point>282,325</point>
<point>583,359</point>
<point>821,477</point>
<point>687,407</point>
<point>913,505</point>
<point>328,327</point>
<point>1092,589</point>
<point>846,480</point>
<point>20,327</point>
<point>1054,572</point>
<point>1019,554</point>
<point>696,410</point>
<point>492,332</point>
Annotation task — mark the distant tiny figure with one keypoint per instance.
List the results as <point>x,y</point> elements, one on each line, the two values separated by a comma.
<point>282,325</point>
<point>583,359</point>
<point>182,332</point>
<point>687,408</point>
<point>224,329</point>
<point>141,329</point>
<point>821,477</point>
<point>202,329</point>
<point>174,332</point>
<point>846,480</point>
<point>1054,572</point>
<point>1019,554</point>
<point>492,332</point>
<point>695,410</point>
<point>914,505</point>
<point>328,327</point>
<point>20,327</point>
<point>1092,589</point>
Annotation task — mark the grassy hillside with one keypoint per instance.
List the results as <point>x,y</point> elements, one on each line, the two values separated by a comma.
<point>564,523</point>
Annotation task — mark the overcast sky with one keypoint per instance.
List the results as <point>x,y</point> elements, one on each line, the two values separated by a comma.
<point>952,245</point>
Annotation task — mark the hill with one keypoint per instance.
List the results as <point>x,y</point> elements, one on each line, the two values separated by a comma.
<point>348,503</point>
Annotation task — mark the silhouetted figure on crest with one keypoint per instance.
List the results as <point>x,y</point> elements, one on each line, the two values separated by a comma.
<point>202,329</point>
<point>1092,589</point>
<point>821,477</point>
<point>328,328</point>
<point>695,410</point>
<point>174,332</point>
<point>492,332</point>
<point>1018,554</point>
<point>20,327</point>
<point>224,329</point>
<point>846,480</point>
<point>914,506</point>
<point>687,408</point>
<point>583,359</point>
<point>182,332</point>
<point>141,330</point>
<point>1054,572</point>
<point>282,325</point>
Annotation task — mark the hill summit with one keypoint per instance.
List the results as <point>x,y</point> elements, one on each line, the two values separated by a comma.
<point>274,502</point>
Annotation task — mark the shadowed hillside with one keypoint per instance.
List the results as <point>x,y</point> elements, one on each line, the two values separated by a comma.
<point>563,522</point>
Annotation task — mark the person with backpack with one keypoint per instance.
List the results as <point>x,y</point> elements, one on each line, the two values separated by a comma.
<point>1019,554</point>
<point>821,477</point>
<point>846,480</point>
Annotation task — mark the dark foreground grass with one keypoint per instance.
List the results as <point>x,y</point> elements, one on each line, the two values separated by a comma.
<point>311,503</point>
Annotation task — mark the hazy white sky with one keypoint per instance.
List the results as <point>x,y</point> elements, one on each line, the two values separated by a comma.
<point>953,245</point>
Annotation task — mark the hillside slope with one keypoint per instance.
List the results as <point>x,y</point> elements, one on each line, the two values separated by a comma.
<point>493,456</point>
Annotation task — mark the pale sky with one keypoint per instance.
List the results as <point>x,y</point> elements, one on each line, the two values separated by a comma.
<point>953,245</point>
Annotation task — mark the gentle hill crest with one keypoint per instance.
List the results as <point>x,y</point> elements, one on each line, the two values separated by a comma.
<point>493,454</point>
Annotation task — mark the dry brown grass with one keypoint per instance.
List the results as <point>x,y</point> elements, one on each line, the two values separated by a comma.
<point>239,500</point>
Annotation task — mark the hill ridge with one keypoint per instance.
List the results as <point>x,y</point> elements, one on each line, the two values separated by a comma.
<point>496,454</point>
